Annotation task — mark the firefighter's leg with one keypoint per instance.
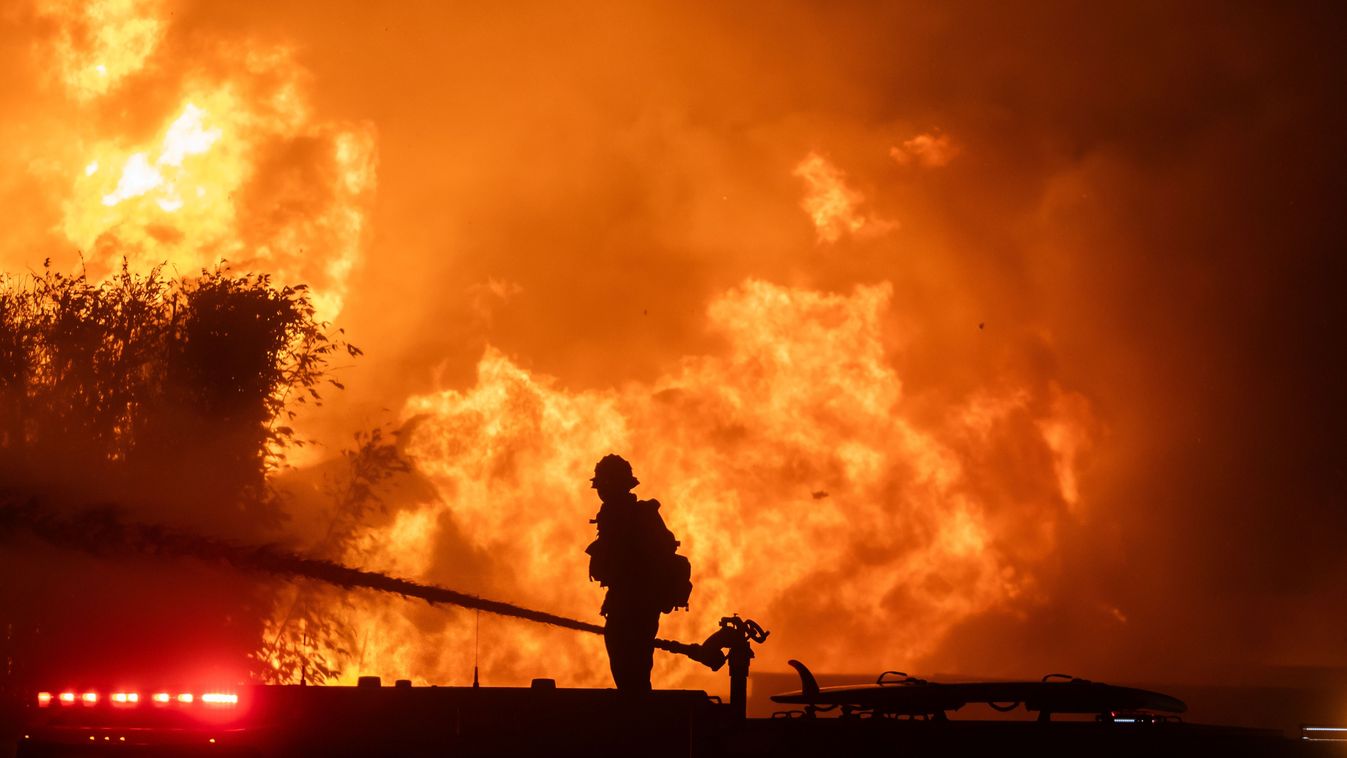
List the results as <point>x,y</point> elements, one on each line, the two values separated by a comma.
<point>612,640</point>
<point>629,636</point>
<point>643,648</point>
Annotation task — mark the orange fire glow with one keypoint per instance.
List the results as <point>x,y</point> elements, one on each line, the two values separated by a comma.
<point>932,150</point>
<point>907,338</point>
<point>101,42</point>
<point>790,462</point>
<point>834,206</point>
<point>789,465</point>
<point>797,474</point>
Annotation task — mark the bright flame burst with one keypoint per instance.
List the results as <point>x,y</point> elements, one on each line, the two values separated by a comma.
<point>186,136</point>
<point>241,170</point>
<point>789,467</point>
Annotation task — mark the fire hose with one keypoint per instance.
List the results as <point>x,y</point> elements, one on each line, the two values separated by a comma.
<point>101,531</point>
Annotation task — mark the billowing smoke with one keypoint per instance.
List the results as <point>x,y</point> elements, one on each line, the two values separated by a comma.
<point>952,339</point>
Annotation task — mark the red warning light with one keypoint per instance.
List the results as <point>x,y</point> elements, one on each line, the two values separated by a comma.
<point>161,697</point>
<point>68,698</point>
<point>90,698</point>
<point>220,698</point>
<point>43,699</point>
<point>185,697</point>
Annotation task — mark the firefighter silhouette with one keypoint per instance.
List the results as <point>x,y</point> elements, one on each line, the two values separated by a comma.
<point>635,558</point>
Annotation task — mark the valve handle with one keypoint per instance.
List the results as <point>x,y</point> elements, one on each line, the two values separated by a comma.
<point>747,627</point>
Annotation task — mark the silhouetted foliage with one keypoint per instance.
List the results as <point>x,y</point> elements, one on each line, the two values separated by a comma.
<point>170,399</point>
<point>144,386</point>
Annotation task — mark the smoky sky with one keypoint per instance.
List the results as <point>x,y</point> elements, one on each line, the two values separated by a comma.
<point>1145,209</point>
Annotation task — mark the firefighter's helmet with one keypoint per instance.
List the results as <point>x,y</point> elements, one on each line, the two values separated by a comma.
<point>614,470</point>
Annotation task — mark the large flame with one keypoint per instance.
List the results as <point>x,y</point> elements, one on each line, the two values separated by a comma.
<point>789,465</point>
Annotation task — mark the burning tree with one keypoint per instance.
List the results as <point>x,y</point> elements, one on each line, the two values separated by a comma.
<point>172,400</point>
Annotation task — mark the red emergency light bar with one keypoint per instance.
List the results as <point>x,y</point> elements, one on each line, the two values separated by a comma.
<point>131,699</point>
